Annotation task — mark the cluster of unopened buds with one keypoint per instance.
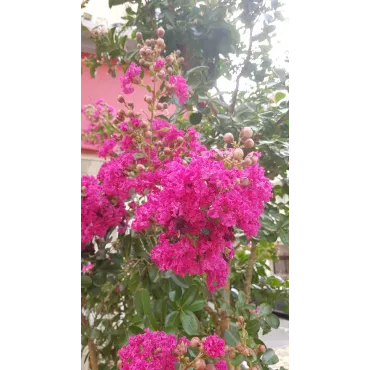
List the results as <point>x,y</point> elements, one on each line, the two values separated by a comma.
<point>236,153</point>
<point>158,350</point>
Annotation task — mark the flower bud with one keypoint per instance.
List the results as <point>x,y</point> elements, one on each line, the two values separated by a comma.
<point>142,62</point>
<point>254,159</point>
<point>144,126</point>
<point>228,138</point>
<point>241,318</point>
<point>200,364</point>
<point>167,150</point>
<point>181,60</point>
<point>160,106</point>
<point>183,348</point>
<point>148,42</point>
<point>249,143</point>
<point>210,367</point>
<point>231,353</point>
<point>262,348</point>
<point>245,182</point>
<point>238,154</point>
<point>160,43</point>
<point>120,99</point>
<point>247,161</point>
<point>245,352</point>
<point>165,105</point>
<point>178,52</point>
<point>160,32</point>
<point>119,364</point>
<point>142,51</point>
<point>161,75</point>
<point>169,59</point>
<point>179,139</point>
<point>195,342</point>
<point>130,104</point>
<point>139,35</point>
<point>246,132</point>
<point>121,114</point>
<point>148,99</point>
<point>169,70</point>
<point>176,352</point>
<point>148,134</point>
<point>140,167</point>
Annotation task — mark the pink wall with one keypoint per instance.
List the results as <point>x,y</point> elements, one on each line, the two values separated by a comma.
<point>106,87</point>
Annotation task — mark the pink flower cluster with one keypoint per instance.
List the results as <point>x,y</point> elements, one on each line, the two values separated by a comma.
<point>159,64</point>
<point>126,81</point>
<point>160,351</point>
<point>214,346</point>
<point>221,365</point>
<point>181,88</point>
<point>98,212</point>
<point>197,206</point>
<point>88,268</point>
<point>149,351</point>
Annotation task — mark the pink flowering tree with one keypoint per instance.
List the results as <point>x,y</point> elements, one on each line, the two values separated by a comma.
<point>158,233</point>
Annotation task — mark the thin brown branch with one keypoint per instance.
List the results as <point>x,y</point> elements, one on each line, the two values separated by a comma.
<point>249,273</point>
<point>90,345</point>
<point>242,72</point>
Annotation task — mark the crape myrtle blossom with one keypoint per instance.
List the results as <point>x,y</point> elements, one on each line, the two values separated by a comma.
<point>161,351</point>
<point>128,78</point>
<point>88,267</point>
<point>181,88</point>
<point>99,213</point>
<point>198,205</point>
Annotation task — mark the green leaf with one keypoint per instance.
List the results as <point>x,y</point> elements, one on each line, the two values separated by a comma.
<point>142,301</point>
<point>269,357</point>
<point>179,281</point>
<point>273,321</point>
<point>253,327</point>
<point>189,322</point>
<point>284,236</point>
<point>230,338</point>
<point>86,281</point>
<point>279,96</point>
<point>197,305</point>
<point>172,319</point>
<point>135,330</point>
<point>237,360</point>
<point>264,309</point>
<point>175,294</point>
<point>153,322</point>
<point>189,297</point>
<point>195,118</point>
